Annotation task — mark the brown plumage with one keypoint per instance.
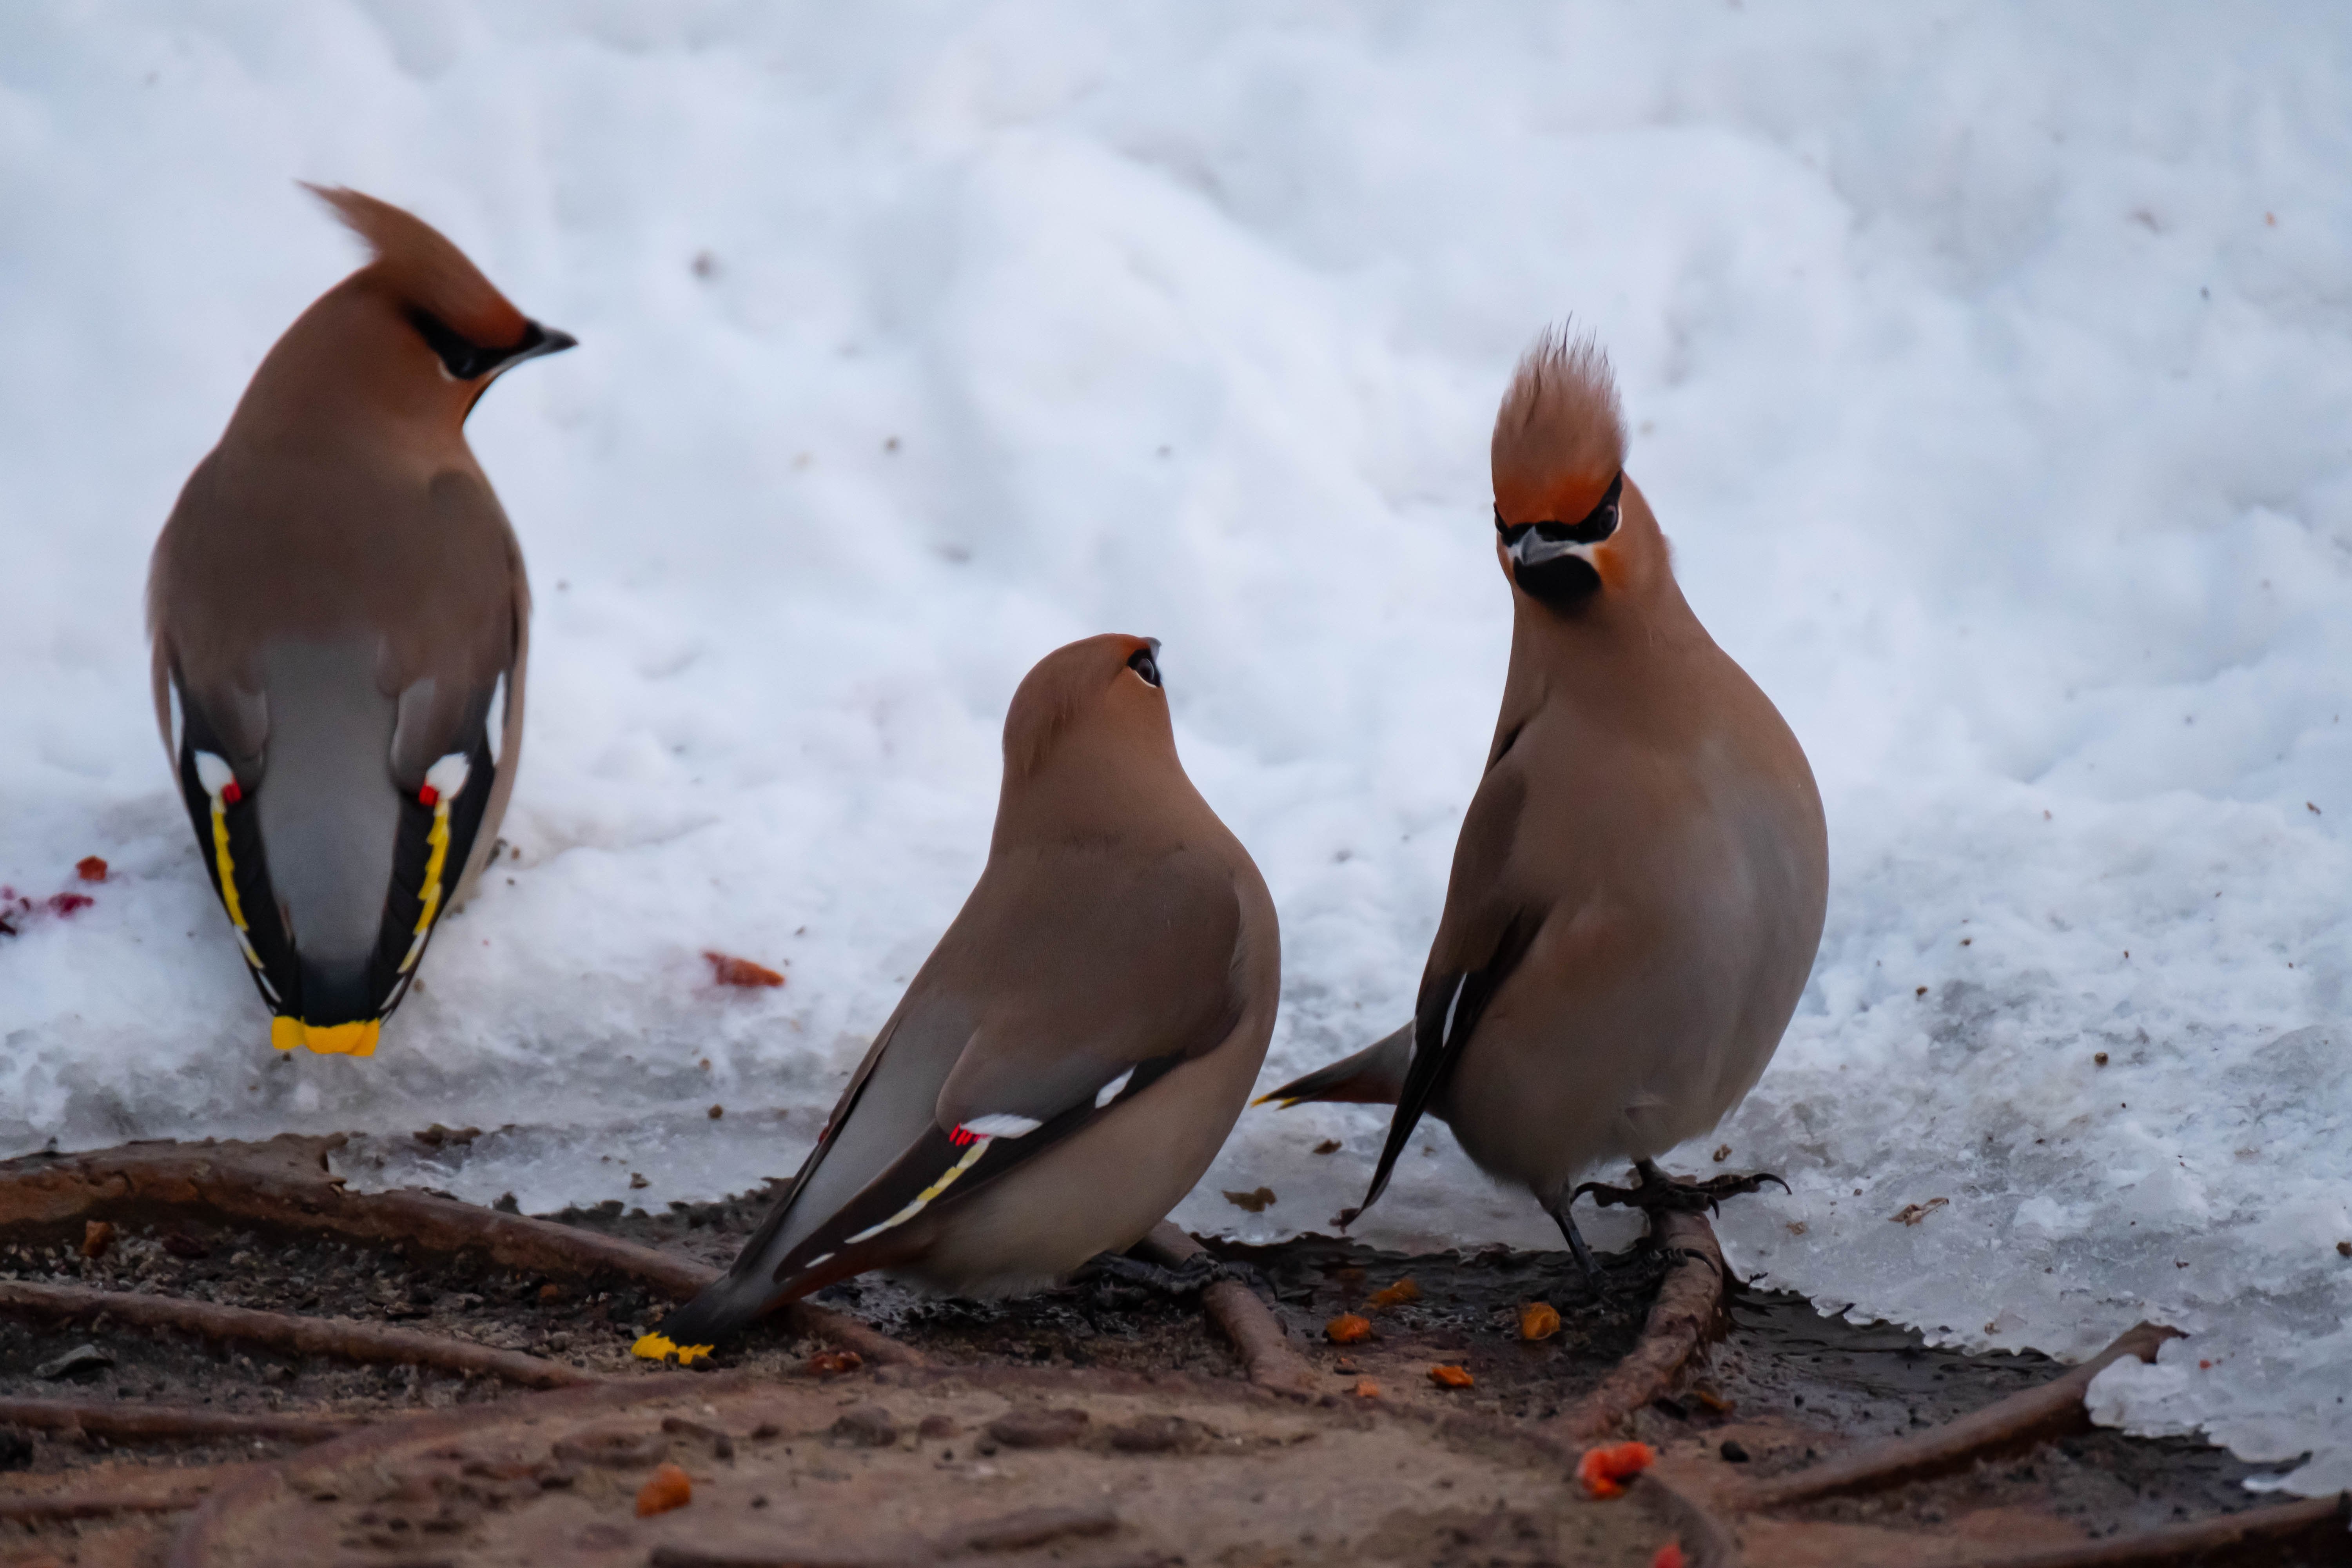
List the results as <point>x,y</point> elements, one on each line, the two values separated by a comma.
<point>1639,885</point>
<point>339,609</point>
<point>1072,1054</point>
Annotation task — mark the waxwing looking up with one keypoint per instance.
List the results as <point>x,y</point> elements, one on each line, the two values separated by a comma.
<point>1074,1052</point>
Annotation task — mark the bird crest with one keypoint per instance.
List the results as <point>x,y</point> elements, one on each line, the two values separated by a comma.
<point>1559,436</point>
<point>416,263</point>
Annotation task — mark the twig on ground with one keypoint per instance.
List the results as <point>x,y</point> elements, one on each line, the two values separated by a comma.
<point>1255,1331</point>
<point>2309,1531</point>
<point>94,1505</point>
<point>283,1186</point>
<point>167,1423</point>
<point>1689,1303</point>
<point>2023,1420</point>
<point>336,1337</point>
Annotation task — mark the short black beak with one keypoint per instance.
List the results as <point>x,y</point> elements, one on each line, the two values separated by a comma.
<point>540,342</point>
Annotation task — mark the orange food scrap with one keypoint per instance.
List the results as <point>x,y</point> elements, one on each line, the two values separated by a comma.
<point>1366,1388</point>
<point>97,1236</point>
<point>1450,1376</point>
<point>728,970</point>
<point>668,1490</point>
<point>1605,1470</point>
<point>1396,1295</point>
<point>1538,1320</point>
<point>90,868</point>
<point>825,1363</point>
<point>1348,1329</point>
<point>1670,1555</point>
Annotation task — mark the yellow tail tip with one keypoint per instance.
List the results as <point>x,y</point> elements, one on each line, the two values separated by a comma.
<point>658,1347</point>
<point>1280,1103</point>
<point>326,1039</point>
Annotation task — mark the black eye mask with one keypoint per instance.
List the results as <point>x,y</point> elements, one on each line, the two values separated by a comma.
<point>1534,543</point>
<point>466,360</point>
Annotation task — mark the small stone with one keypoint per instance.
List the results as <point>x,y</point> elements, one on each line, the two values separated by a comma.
<point>1733,1452</point>
<point>935,1427</point>
<point>188,1246</point>
<point>81,1359</point>
<point>1039,1428</point>
<point>1153,1435</point>
<point>866,1426</point>
<point>15,1449</point>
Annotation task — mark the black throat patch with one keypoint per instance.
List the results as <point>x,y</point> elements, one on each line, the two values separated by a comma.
<point>1545,559</point>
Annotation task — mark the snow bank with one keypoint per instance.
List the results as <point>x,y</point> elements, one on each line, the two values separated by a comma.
<point>1988,368</point>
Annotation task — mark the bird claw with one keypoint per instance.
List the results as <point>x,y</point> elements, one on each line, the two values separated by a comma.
<point>1665,1196</point>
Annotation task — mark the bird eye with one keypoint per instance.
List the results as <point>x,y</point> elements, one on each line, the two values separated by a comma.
<point>1144,665</point>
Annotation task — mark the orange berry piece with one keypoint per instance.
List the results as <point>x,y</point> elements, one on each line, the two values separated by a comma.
<point>668,1490</point>
<point>1348,1329</point>
<point>1450,1376</point>
<point>1605,1470</point>
<point>1538,1320</point>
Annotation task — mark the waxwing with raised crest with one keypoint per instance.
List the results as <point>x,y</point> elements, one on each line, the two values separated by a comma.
<point>1072,1054</point>
<point>341,625</point>
<point>1639,884</point>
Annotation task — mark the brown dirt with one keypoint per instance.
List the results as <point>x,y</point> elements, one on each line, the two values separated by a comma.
<point>1417,1472</point>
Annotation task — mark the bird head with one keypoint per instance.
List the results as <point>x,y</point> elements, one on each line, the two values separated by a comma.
<point>430,329</point>
<point>1088,740</point>
<point>1567,530</point>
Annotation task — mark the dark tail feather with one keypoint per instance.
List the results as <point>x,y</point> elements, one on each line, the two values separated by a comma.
<point>1373,1076</point>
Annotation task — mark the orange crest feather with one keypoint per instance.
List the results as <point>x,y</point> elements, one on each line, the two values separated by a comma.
<point>1559,436</point>
<point>417,263</point>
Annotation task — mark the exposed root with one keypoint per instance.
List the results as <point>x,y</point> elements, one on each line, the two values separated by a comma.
<point>94,1505</point>
<point>2310,1531</point>
<point>289,1335</point>
<point>283,1186</point>
<point>1689,1303</point>
<point>2023,1420</point>
<point>1255,1331</point>
<point>129,1422</point>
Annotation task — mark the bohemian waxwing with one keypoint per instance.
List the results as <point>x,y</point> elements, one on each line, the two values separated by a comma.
<point>1071,1056</point>
<point>339,623</point>
<point>1639,885</point>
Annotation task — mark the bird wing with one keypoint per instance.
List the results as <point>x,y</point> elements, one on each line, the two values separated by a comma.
<point>1070,980</point>
<point>1484,932</point>
<point>335,820</point>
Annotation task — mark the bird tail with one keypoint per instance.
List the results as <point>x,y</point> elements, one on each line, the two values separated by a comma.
<point>1373,1076</point>
<point>694,1330</point>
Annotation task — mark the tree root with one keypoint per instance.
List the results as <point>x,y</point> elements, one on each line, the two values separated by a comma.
<point>1689,1305</point>
<point>283,1186</point>
<point>136,1423</point>
<point>1255,1331</point>
<point>94,1505</point>
<point>2023,1420</point>
<point>2313,1530</point>
<point>336,1337</point>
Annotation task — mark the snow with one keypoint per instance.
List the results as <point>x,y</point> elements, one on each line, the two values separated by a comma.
<point>1987,367</point>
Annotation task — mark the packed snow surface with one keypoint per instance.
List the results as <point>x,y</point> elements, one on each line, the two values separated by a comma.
<point>1991,370</point>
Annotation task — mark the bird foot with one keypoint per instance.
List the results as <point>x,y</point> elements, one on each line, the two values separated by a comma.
<point>1660,1193</point>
